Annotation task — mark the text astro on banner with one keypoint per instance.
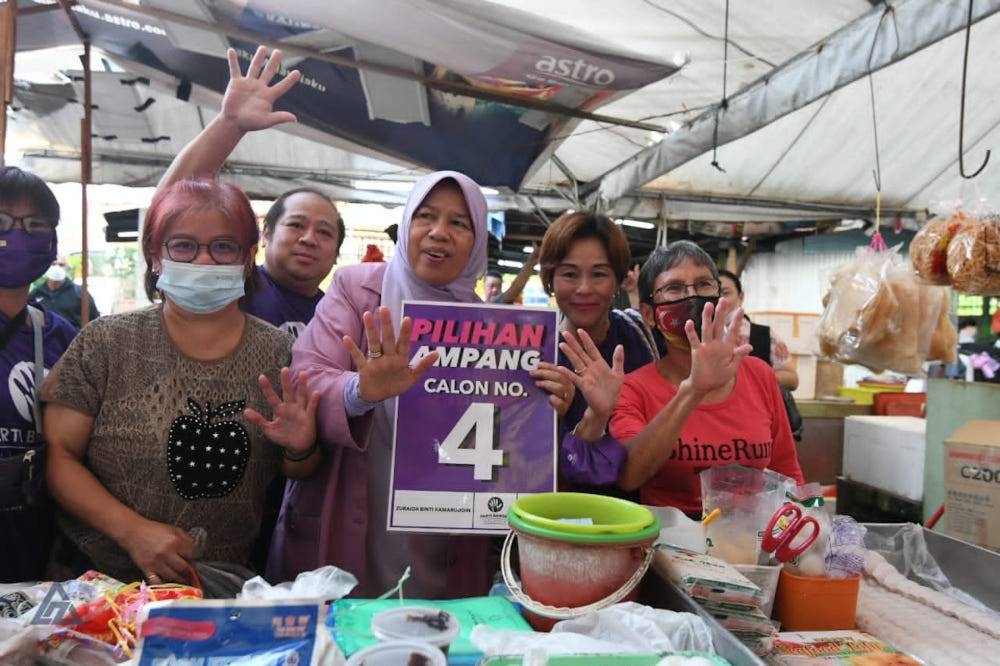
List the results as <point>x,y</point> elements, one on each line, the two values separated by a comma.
<point>474,432</point>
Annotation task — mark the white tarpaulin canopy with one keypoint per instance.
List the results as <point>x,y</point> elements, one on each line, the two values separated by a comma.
<point>795,139</point>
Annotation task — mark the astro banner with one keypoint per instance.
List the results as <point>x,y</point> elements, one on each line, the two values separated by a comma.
<point>474,432</point>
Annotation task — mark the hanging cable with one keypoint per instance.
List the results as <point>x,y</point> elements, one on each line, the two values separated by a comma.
<point>877,240</point>
<point>961,110</point>
<point>724,103</point>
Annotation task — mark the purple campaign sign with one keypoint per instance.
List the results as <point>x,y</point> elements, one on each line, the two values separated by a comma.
<point>474,432</point>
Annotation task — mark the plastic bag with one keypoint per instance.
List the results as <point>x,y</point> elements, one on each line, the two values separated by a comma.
<point>974,257</point>
<point>929,247</point>
<point>324,583</point>
<point>746,497</point>
<point>878,315</point>
<point>622,628</point>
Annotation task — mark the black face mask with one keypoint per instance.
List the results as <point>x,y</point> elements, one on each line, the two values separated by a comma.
<point>670,318</point>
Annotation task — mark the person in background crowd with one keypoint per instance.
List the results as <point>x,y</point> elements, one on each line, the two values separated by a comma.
<point>493,282</point>
<point>585,257</point>
<point>372,254</point>
<point>29,214</point>
<point>702,403</point>
<point>360,365</point>
<point>966,330</point>
<point>303,230</point>
<point>766,344</point>
<point>60,294</point>
<point>154,416</point>
<point>492,286</point>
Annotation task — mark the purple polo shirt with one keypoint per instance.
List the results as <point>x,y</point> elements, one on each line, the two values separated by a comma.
<point>286,309</point>
<point>17,380</point>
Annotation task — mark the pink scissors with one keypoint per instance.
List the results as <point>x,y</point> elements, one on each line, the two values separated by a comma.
<point>784,528</point>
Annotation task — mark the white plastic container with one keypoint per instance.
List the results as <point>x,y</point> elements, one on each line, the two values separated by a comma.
<point>406,623</point>
<point>678,530</point>
<point>397,653</point>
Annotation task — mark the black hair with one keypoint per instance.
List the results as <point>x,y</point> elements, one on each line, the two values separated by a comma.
<point>494,273</point>
<point>966,321</point>
<point>732,276</point>
<point>18,185</point>
<point>277,209</point>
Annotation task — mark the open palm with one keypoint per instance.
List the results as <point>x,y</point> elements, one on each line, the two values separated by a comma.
<point>249,100</point>
<point>599,383</point>
<point>716,357</point>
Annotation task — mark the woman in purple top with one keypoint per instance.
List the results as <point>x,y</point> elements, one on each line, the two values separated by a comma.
<point>585,258</point>
<point>29,214</point>
<point>351,356</point>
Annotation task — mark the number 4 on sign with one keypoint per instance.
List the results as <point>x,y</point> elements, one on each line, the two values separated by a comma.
<point>482,456</point>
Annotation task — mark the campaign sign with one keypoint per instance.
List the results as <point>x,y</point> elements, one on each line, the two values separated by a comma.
<point>474,432</point>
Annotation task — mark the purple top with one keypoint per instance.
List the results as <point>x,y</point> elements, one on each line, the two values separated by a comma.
<point>18,421</point>
<point>594,467</point>
<point>288,310</point>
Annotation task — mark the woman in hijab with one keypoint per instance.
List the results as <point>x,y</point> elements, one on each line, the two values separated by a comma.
<point>351,355</point>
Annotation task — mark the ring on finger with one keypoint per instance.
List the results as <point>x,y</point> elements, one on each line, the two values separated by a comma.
<point>150,576</point>
<point>375,353</point>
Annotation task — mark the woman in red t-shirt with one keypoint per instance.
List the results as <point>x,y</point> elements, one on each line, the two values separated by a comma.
<point>704,403</point>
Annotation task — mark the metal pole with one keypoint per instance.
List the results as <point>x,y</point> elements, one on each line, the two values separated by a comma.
<point>85,177</point>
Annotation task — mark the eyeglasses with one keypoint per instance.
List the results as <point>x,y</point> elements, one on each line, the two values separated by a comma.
<point>33,224</point>
<point>673,291</point>
<point>222,250</point>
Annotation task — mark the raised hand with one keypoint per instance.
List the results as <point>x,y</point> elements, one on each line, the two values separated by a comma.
<point>249,100</point>
<point>385,372</point>
<point>599,383</point>
<point>293,422</point>
<point>631,286</point>
<point>717,355</point>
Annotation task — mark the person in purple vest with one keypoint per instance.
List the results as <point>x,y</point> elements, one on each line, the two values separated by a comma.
<point>31,341</point>
<point>303,230</point>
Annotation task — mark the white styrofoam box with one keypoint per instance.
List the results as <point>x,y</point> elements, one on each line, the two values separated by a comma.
<point>886,452</point>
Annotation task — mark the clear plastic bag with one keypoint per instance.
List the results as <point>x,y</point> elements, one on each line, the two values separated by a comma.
<point>929,247</point>
<point>878,315</point>
<point>974,257</point>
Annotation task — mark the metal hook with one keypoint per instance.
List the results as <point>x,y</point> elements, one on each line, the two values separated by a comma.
<point>961,112</point>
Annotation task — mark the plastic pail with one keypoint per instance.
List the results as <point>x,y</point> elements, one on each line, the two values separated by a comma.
<point>808,603</point>
<point>570,568</point>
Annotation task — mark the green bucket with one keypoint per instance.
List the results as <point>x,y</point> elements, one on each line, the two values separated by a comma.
<point>612,520</point>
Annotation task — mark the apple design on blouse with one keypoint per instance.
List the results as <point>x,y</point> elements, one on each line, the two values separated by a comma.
<point>206,457</point>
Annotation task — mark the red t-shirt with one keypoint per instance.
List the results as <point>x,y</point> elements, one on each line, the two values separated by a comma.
<point>749,427</point>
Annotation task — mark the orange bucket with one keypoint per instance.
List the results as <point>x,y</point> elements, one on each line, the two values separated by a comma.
<point>808,603</point>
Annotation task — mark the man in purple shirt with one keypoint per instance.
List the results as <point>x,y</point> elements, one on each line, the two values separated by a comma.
<point>302,235</point>
<point>29,214</point>
<point>303,230</point>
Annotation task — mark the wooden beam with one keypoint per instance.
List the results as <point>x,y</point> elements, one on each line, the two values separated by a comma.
<point>8,46</point>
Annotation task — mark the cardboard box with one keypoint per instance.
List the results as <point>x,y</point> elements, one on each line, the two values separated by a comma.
<point>805,366</point>
<point>972,483</point>
<point>886,452</point>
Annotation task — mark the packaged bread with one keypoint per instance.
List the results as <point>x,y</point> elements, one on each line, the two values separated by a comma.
<point>929,248</point>
<point>944,340</point>
<point>878,315</point>
<point>860,307</point>
<point>974,257</point>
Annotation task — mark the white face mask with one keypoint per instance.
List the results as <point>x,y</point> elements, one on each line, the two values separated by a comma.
<point>200,288</point>
<point>56,274</point>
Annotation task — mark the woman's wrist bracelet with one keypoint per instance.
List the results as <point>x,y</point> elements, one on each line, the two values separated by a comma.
<point>299,457</point>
